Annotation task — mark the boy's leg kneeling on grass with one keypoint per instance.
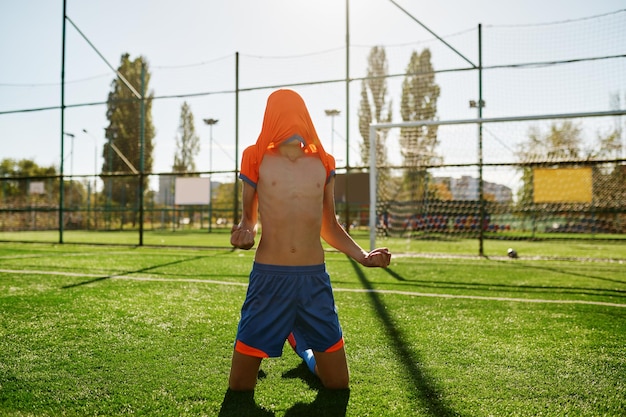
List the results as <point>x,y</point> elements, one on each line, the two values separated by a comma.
<point>243,372</point>
<point>332,369</point>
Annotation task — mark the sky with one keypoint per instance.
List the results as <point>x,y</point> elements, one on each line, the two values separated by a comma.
<point>190,46</point>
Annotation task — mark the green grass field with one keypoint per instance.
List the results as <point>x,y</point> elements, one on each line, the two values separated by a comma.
<point>564,246</point>
<point>124,330</point>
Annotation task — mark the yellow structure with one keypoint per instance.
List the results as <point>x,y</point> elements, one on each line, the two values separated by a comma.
<point>562,185</point>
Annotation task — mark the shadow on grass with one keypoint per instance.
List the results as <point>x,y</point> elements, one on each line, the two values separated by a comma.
<point>240,404</point>
<point>425,388</point>
<point>537,289</point>
<point>327,403</point>
<point>395,274</point>
<point>575,274</point>
<point>136,271</point>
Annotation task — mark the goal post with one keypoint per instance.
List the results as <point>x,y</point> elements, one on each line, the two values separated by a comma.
<point>454,212</point>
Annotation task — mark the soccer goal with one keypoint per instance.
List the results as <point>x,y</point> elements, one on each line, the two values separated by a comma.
<point>489,177</point>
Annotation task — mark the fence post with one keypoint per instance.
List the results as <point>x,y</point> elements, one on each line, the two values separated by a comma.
<point>481,194</point>
<point>236,187</point>
<point>142,141</point>
<point>61,185</point>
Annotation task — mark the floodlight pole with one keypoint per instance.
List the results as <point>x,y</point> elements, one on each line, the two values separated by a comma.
<point>110,133</point>
<point>95,155</point>
<point>71,136</point>
<point>95,174</point>
<point>332,113</point>
<point>210,122</point>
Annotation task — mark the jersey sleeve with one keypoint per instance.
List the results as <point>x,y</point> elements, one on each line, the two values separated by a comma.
<point>250,166</point>
<point>330,167</point>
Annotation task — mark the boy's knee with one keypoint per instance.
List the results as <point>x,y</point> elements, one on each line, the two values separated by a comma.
<point>240,385</point>
<point>337,382</point>
<point>243,372</point>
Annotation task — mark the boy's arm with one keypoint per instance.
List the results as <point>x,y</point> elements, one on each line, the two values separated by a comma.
<point>242,234</point>
<point>336,236</point>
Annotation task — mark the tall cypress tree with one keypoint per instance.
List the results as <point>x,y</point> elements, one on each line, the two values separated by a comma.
<point>187,142</point>
<point>420,93</point>
<point>376,107</point>
<point>124,131</point>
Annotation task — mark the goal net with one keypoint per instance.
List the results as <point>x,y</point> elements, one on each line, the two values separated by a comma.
<point>505,178</point>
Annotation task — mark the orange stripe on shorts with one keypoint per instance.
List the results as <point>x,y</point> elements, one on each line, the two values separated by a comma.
<point>336,346</point>
<point>249,350</point>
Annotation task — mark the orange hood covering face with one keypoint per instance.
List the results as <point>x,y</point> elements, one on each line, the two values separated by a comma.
<point>286,118</point>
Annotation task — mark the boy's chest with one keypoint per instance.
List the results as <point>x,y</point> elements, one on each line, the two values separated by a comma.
<point>306,172</point>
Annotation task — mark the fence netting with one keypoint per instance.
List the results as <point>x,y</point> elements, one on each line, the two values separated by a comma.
<point>541,176</point>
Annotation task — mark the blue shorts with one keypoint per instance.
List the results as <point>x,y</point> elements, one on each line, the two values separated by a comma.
<point>282,299</point>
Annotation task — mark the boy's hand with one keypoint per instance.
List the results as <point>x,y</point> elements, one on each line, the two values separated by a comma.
<point>380,257</point>
<point>242,238</point>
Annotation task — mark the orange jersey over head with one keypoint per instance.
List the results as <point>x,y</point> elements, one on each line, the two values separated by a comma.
<point>286,118</point>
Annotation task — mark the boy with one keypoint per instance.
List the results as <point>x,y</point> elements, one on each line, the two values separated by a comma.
<point>288,179</point>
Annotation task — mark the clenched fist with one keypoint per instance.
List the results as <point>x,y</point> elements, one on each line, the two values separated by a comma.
<point>242,237</point>
<point>380,257</point>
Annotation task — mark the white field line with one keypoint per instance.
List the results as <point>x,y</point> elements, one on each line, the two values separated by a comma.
<point>119,276</point>
<point>353,290</point>
<point>42,255</point>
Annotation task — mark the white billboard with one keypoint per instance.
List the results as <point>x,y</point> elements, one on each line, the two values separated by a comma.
<point>192,191</point>
<point>36,187</point>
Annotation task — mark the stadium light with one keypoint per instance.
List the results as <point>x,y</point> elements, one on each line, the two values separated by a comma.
<point>95,174</point>
<point>332,113</point>
<point>95,153</point>
<point>71,135</point>
<point>210,122</point>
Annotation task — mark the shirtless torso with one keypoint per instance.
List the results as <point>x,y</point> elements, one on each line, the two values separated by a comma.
<point>297,205</point>
<point>291,192</point>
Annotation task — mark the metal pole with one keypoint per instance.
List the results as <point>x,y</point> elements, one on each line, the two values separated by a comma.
<point>373,191</point>
<point>481,196</point>
<point>210,175</point>
<point>142,143</point>
<point>61,185</point>
<point>236,205</point>
<point>501,119</point>
<point>433,33</point>
<point>110,179</point>
<point>71,135</point>
<point>71,187</point>
<point>210,122</point>
<point>332,113</point>
<point>347,188</point>
<point>95,175</point>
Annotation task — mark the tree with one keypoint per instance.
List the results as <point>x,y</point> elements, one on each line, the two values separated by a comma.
<point>561,143</point>
<point>223,200</point>
<point>419,103</point>
<point>375,108</point>
<point>124,132</point>
<point>187,142</point>
<point>14,169</point>
<point>610,179</point>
